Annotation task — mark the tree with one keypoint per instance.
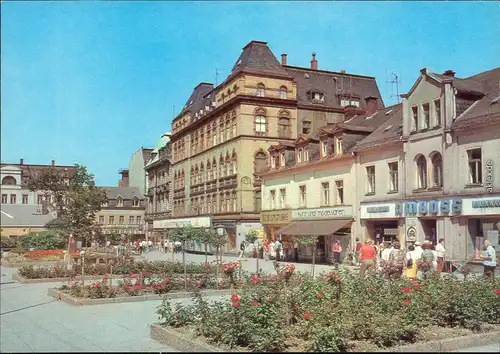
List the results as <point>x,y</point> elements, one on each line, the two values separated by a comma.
<point>45,240</point>
<point>205,236</point>
<point>218,241</point>
<point>251,237</point>
<point>184,235</point>
<point>75,199</point>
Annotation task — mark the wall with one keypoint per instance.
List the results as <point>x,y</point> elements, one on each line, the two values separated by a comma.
<point>20,231</point>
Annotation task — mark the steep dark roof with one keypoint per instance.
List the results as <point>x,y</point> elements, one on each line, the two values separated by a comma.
<point>389,129</point>
<point>486,109</point>
<point>258,58</point>
<point>202,96</point>
<point>332,84</point>
<point>124,192</point>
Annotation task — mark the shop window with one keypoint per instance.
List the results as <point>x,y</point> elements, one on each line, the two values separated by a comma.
<point>421,172</point>
<point>393,177</point>
<point>475,164</point>
<point>325,193</point>
<point>370,176</point>
<point>340,191</point>
<point>437,170</point>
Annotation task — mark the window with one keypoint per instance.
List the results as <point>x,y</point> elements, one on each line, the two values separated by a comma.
<point>426,122</point>
<point>119,202</point>
<point>325,193</point>
<point>274,161</point>
<point>283,198</point>
<point>25,199</point>
<point>302,196</point>
<point>338,146</point>
<point>414,113</point>
<point>260,162</point>
<point>340,191</point>
<point>214,137</point>
<point>4,199</point>
<point>299,155</point>
<point>121,220</point>
<point>437,170</point>
<point>101,220</point>
<point>272,199</point>
<point>138,220</point>
<point>370,174</point>
<point>135,202</point>
<point>317,97</point>
<point>111,220</point>
<point>421,172</point>
<point>9,180</point>
<point>131,220</point>
<point>393,177</point>
<point>261,90</point>
<point>475,166</point>
<point>324,148</point>
<point>234,127</point>
<point>283,92</point>
<point>306,154</point>
<point>306,127</point>
<point>234,202</point>
<point>284,127</point>
<point>260,125</point>
<point>282,159</point>
<point>12,199</point>
<point>437,112</point>
<point>39,199</point>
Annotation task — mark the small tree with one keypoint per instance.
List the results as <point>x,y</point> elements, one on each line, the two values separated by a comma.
<point>251,237</point>
<point>310,241</point>
<point>184,235</point>
<point>218,241</point>
<point>205,236</point>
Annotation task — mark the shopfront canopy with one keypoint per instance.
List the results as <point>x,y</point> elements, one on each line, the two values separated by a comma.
<point>314,227</point>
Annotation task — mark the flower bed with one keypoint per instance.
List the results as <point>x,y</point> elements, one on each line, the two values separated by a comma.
<point>336,312</point>
<point>117,268</point>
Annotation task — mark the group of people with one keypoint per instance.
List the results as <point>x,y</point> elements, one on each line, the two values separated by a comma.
<point>167,246</point>
<point>418,260</point>
<point>287,250</point>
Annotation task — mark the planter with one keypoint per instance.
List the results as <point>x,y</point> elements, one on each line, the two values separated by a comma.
<point>7,264</point>
<point>177,340</point>
<point>75,301</point>
<point>20,279</point>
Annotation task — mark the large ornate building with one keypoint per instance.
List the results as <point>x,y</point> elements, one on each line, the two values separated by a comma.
<point>220,139</point>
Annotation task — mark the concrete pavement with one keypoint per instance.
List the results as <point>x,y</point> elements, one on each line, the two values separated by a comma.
<point>492,348</point>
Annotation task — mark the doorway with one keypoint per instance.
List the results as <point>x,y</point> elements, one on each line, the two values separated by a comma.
<point>429,226</point>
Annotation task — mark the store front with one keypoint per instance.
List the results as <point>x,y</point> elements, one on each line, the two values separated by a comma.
<point>380,223</point>
<point>327,224</point>
<point>273,220</point>
<point>481,221</point>
<point>230,227</point>
<point>163,226</point>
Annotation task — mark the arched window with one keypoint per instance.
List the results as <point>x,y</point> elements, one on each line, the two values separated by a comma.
<point>437,169</point>
<point>261,90</point>
<point>284,130</point>
<point>222,203</point>
<point>421,172</point>
<point>202,173</point>
<point>234,163</point>
<point>283,92</point>
<point>234,202</point>
<point>229,167</point>
<point>9,181</point>
<point>221,167</point>
<point>214,168</point>
<point>260,161</point>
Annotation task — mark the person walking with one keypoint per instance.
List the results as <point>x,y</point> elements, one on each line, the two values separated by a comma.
<point>489,258</point>
<point>396,261</point>
<point>336,250</point>
<point>295,250</point>
<point>411,263</point>
<point>242,250</point>
<point>440,253</point>
<point>367,256</point>
<point>355,251</point>
<point>426,266</point>
<point>277,245</point>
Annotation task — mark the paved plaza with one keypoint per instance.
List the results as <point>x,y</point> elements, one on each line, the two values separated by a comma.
<point>32,321</point>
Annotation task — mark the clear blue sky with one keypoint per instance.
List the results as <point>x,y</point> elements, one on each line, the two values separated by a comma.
<point>91,82</point>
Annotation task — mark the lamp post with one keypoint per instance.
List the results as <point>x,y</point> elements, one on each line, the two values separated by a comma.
<point>82,261</point>
<point>221,230</point>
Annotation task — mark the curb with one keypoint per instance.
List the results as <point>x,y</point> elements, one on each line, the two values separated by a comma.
<point>74,301</point>
<point>179,341</point>
<point>27,264</point>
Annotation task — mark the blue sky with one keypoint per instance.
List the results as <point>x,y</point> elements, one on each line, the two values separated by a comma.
<point>92,82</point>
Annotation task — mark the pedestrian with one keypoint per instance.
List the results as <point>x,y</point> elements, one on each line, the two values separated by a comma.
<point>489,258</point>
<point>295,250</point>
<point>277,245</point>
<point>440,250</point>
<point>367,256</point>
<point>411,263</point>
<point>396,261</point>
<point>165,246</point>
<point>336,250</point>
<point>355,251</point>
<point>418,250</point>
<point>426,266</point>
<point>384,259</point>
<point>242,249</point>
<point>150,246</point>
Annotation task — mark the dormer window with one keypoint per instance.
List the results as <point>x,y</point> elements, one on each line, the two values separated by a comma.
<point>338,146</point>
<point>282,159</point>
<point>299,155</point>
<point>306,155</point>
<point>345,102</point>
<point>317,97</point>
<point>273,161</point>
<point>119,202</point>
<point>135,202</point>
<point>324,148</point>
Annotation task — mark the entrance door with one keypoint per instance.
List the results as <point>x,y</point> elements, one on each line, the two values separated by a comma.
<point>430,229</point>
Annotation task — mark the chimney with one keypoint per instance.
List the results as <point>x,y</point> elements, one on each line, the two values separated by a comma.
<point>314,62</point>
<point>371,105</point>
<point>449,73</point>
<point>283,59</point>
<point>21,161</point>
<point>53,163</point>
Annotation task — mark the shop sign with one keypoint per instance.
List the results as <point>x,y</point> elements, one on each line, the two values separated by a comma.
<point>429,207</point>
<point>379,209</point>
<point>489,203</point>
<point>275,217</point>
<point>489,176</point>
<point>322,213</point>
<point>200,222</point>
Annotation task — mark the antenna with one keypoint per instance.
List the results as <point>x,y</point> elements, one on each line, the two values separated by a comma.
<point>173,111</point>
<point>216,77</point>
<point>394,86</point>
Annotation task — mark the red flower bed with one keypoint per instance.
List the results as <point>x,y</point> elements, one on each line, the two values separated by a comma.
<point>43,253</point>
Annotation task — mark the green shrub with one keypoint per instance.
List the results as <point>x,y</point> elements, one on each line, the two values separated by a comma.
<point>327,339</point>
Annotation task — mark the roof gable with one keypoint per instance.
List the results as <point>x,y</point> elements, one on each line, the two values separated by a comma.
<point>258,58</point>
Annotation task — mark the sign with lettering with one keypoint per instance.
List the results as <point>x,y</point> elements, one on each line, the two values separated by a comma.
<point>429,207</point>
<point>488,203</point>
<point>322,213</point>
<point>489,176</point>
<point>379,209</point>
<point>199,222</point>
<point>275,217</point>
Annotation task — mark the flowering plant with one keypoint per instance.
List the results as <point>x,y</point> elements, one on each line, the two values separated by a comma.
<point>285,271</point>
<point>230,267</point>
<point>425,266</point>
<point>333,278</point>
